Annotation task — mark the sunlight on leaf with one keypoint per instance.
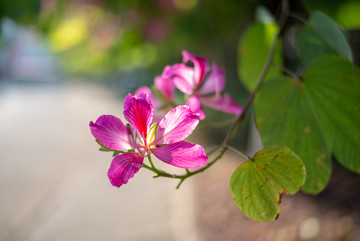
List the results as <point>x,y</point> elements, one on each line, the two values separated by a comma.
<point>257,184</point>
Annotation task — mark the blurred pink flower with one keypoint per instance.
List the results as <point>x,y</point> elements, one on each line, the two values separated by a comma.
<point>165,92</point>
<point>202,83</point>
<point>141,138</point>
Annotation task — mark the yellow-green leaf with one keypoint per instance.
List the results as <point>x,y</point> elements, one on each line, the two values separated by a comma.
<point>253,51</point>
<point>257,185</point>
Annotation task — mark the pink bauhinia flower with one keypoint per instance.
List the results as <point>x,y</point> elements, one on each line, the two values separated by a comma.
<point>203,86</point>
<point>142,138</point>
<point>163,98</point>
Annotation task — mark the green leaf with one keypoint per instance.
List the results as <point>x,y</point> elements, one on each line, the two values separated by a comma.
<point>333,86</point>
<point>322,36</point>
<point>314,117</point>
<point>328,30</point>
<point>310,46</point>
<point>253,51</point>
<point>257,184</point>
<point>348,14</point>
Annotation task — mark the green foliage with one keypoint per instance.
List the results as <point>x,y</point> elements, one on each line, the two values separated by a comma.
<point>335,98</point>
<point>253,51</point>
<point>24,11</point>
<point>321,36</point>
<point>309,45</point>
<point>344,12</point>
<point>314,117</point>
<point>282,114</point>
<point>257,184</point>
<point>348,14</point>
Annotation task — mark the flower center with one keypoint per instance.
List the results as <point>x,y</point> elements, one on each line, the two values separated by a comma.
<point>143,146</point>
<point>152,134</point>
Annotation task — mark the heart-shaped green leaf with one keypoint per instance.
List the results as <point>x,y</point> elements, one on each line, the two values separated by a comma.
<point>314,117</point>
<point>253,51</point>
<point>257,184</point>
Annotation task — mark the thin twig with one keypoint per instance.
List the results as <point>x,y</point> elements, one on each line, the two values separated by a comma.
<point>268,63</point>
<point>252,95</point>
<point>285,70</point>
<point>298,17</point>
<point>246,157</point>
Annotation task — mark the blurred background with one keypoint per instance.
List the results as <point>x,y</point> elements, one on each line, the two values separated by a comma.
<point>64,63</point>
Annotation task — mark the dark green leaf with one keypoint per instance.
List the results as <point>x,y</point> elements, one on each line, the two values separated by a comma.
<point>327,29</point>
<point>310,46</point>
<point>257,184</point>
<point>322,36</point>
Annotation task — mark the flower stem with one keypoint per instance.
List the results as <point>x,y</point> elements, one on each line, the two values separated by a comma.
<point>264,71</point>
<point>161,173</point>
<point>151,163</point>
<point>251,98</point>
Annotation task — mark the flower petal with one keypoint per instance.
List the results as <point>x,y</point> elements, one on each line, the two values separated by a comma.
<point>222,103</point>
<point>182,154</point>
<point>111,133</point>
<point>138,111</point>
<point>165,86</point>
<point>201,66</point>
<point>123,167</point>
<point>154,101</point>
<point>176,125</point>
<point>215,82</point>
<point>182,76</point>
<point>195,106</point>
